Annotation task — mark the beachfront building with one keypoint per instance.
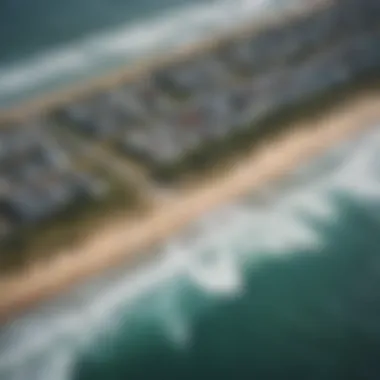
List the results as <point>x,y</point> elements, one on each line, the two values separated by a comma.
<point>153,100</point>
<point>96,117</point>
<point>250,55</point>
<point>190,78</point>
<point>5,227</point>
<point>171,113</point>
<point>37,178</point>
<point>156,145</point>
<point>289,42</point>
<point>182,117</point>
<point>108,114</point>
<point>206,118</point>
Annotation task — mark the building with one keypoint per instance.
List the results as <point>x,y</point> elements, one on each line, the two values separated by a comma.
<point>37,179</point>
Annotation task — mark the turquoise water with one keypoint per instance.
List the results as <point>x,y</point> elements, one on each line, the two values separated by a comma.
<point>280,285</point>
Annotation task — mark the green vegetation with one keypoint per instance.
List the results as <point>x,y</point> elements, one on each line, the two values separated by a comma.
<point>216,154</point>
<point>176,92</point>
<point>71,226</point>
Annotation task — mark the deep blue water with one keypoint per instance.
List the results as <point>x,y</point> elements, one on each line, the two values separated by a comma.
<point>283,284</point>
<point>309,308</point>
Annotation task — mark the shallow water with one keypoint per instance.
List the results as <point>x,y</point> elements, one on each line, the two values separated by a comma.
<point>47,51</point>
<point>283,284</point>
<point>280,285</point>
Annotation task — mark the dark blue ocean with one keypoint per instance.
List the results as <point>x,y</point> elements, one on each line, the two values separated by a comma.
<point>281,284</point>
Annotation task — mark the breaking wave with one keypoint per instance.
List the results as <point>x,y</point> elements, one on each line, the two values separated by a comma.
<point>210,263</point>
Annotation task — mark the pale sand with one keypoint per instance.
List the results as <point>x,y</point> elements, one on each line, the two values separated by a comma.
<point>127,74</point>
<point>122,240</point>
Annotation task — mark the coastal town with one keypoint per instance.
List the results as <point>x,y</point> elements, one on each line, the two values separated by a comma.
<point>166,117</point>
<point>144,136</point>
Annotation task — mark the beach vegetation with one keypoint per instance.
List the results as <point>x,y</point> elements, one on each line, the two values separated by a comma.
<point>41,241</point>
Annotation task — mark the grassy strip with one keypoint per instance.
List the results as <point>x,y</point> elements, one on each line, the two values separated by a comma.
<point>283,32</point>
<point>42,241</point>
<point>212,155</point>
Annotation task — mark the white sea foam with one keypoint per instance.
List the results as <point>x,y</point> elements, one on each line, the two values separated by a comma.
<point>47,341</point>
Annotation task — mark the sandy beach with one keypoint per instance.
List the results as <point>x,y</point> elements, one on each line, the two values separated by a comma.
<point>125,240</point>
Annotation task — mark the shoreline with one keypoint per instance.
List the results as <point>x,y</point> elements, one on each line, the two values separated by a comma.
<point>126,240</point>
<point>125,74</point>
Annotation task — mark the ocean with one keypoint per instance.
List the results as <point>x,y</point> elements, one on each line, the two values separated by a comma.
<point>280,284</point>
<point>44,46</point>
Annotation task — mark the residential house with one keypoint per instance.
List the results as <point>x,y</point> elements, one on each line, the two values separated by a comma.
<point>88,186</point>
<point>189,78</point>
